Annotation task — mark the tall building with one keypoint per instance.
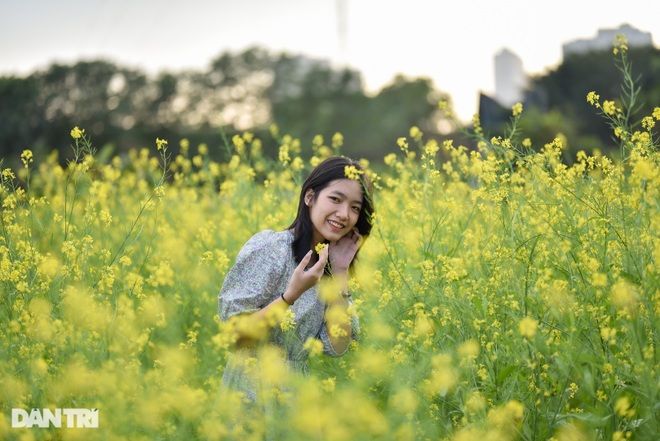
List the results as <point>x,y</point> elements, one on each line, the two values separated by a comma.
<point>511,82</point>
<point>605,38</point>
<point>510,78</point>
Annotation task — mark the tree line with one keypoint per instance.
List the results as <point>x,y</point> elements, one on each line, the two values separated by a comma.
<point>123,108</point>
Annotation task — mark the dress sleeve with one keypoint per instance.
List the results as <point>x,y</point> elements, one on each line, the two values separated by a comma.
<point>323,335</point>
<point>252,282</point>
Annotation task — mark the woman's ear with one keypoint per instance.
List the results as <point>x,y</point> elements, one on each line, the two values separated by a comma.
<point>309,197</point>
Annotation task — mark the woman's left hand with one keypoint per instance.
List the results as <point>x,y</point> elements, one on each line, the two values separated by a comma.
<point>342,252</point>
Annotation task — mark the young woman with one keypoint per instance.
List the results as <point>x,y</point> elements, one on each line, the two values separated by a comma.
<point>279,270</point>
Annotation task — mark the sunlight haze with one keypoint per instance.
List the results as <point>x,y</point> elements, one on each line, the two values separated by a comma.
<point>453,43</point>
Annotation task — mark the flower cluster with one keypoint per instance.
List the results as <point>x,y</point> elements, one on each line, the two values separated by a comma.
<point>352,172</point>
<point>320,247</point>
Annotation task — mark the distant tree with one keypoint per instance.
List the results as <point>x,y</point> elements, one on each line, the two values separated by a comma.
<point>565,89</point>
<point>19,114</point>
<point>124,108</point>
<point>41,109</point>
<point>325,101</point>
<point>308,97</point>
<point>78,95</point>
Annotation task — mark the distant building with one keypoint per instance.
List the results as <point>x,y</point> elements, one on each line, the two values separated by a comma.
<point>511,81</point>
<point>510,78</point>
<point>605,38</point>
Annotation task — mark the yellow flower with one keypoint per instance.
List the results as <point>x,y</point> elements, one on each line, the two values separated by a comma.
<point>656,113</point>
<point>274,130</point>
<point>474,403</point>
<point>337,331</point>
<point>320,247</point>
<point>329,384</point>
<point>507,416</point>
<point>405,401</point>
<point>314,346</point>
<point>337,140</point>
<point>161,144</point>
<point>620,43</point>
<point>446,108</point>
<point>248,136</point>
<point>527,327</point>
<point>390,159</point>
<point>297,164</point>
<point>623,407</point>
<point>648,123</point>
<point>288,321</point>
<point>517,109</point>
<point>431,147</point>
<point>625,297</point>
<point>77,133</point>
<point>609,107</point>
<point>469,350</point>
<point>7,174</point>
<point>318,140</point>
<point>443,375</point>
<point>619,436</point>
<point>352,172</point>
<point>608,335</point>
<point>26,157</point>
<point>415,133</point>
<point>239,144</point>
<point>592,98</point>
<point>283,155</point>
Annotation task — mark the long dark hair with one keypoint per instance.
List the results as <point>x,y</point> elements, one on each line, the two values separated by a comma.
<point>329,170</point>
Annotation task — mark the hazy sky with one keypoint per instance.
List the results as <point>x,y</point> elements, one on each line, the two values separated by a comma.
<point>452,42</point>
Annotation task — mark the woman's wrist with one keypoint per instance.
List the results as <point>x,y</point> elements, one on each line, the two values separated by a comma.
<point>339,271</point>
<point>341,281</point>
<point>285,299</point>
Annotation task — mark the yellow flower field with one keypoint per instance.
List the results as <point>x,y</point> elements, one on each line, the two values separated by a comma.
<point>502,294</point>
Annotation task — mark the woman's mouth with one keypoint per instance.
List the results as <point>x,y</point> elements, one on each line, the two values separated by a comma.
<point>335,225</point>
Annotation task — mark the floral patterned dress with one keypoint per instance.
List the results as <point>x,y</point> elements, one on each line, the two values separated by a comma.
<point>262,271</point>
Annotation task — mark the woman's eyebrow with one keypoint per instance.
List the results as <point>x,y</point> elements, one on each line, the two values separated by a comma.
<point>340,194</point>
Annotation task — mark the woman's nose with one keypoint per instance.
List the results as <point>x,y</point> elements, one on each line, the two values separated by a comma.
<point>342,212</point>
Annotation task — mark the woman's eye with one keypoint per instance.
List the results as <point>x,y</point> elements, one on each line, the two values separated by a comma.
<point>356,209</point>
<point>334,199</point>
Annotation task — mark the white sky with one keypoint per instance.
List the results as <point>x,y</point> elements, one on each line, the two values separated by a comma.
<point>454,43</point>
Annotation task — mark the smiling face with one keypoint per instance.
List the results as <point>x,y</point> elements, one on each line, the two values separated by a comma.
<point>335,210</point>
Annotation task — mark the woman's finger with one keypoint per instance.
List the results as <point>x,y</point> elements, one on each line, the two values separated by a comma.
<point>323,257</point>
<point>318,267</point>
<point>357,237</point>
<point>305,260</point>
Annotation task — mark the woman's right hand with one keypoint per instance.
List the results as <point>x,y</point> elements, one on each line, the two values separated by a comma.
<point>302,279</point>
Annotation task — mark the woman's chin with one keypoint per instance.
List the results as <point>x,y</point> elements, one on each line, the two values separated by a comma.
<point>332,236</point>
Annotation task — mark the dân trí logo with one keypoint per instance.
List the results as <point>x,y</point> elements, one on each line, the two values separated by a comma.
<point>43,418</point>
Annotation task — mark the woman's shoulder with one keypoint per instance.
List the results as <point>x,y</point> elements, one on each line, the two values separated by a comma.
<point>269,243</point>
<point>271,237</point>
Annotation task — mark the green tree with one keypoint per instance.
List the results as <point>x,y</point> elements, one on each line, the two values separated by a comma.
<point>19,115</point>
<point>124,108</point>
<point>565,88</point>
